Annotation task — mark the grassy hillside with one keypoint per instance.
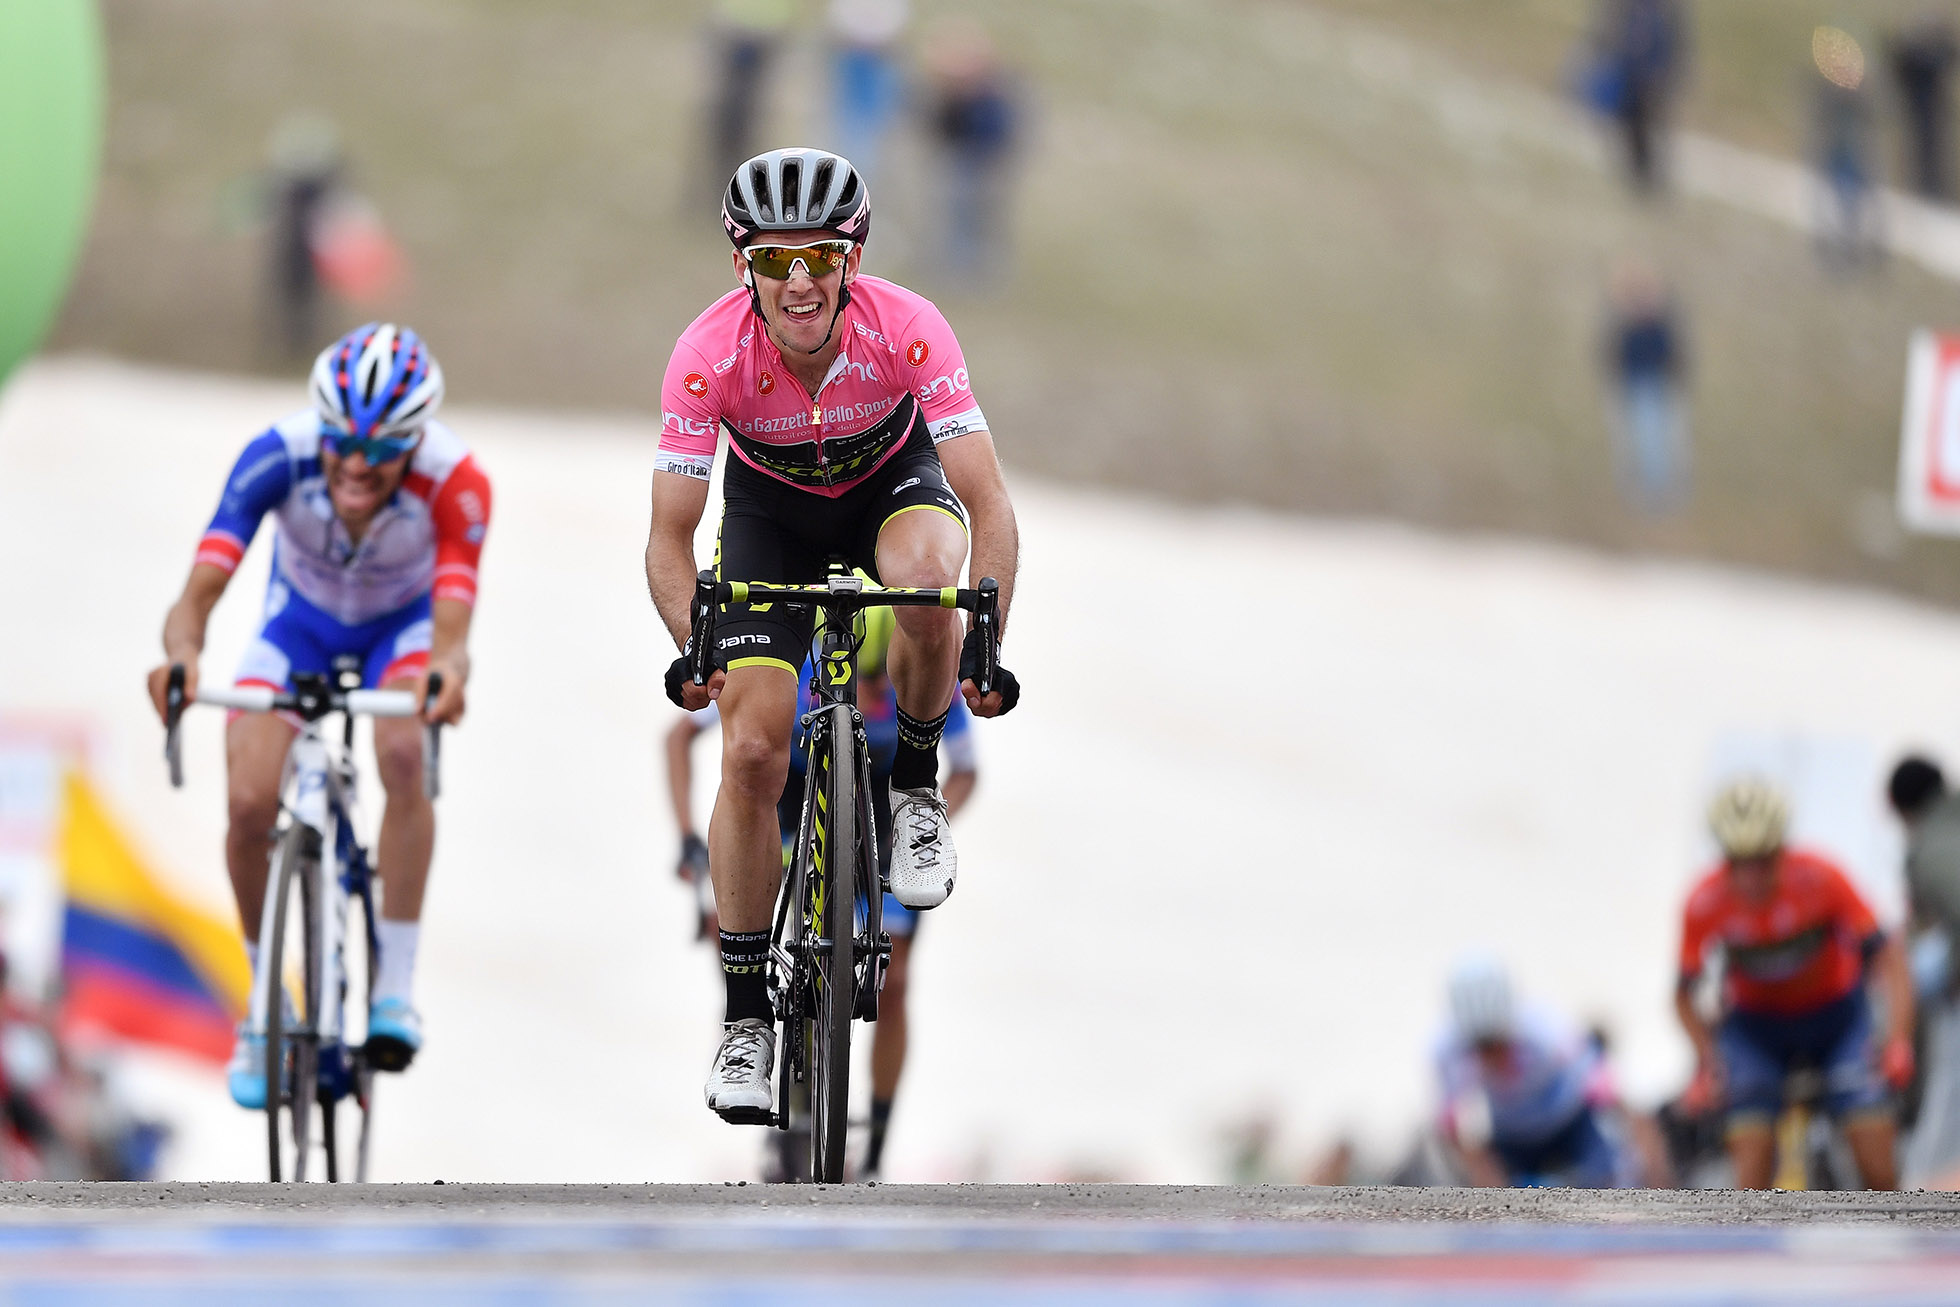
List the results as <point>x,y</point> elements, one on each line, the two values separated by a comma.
<point>1320,256</point>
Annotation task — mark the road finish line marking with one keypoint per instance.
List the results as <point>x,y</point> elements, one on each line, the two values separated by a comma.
<point>755,1258</point>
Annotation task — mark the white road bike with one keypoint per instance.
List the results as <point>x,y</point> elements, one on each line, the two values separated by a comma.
<point>319,871</point>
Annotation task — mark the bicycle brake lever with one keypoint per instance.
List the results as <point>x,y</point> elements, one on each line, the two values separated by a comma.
<point>432,742</point>
<point>701,632</point>
<point>986,617</point>
<point>173,712</point>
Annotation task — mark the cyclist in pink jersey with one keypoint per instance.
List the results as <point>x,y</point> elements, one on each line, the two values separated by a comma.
<point>848,406</point>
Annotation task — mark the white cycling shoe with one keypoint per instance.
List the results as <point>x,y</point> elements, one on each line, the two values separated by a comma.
<point>738,1083</point>
<point>923,861</point>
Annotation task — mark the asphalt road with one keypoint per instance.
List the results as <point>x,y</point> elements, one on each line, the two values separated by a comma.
<point>1049,1203</point>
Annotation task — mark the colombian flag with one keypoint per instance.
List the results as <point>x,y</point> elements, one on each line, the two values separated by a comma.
<point>138,961</point>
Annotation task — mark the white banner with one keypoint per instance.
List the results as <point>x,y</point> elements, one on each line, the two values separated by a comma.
<point>1929,440</point>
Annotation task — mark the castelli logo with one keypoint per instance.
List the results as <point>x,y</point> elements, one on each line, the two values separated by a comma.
<point>696,384</point>
<point>765,383</point>
<point>917,353</point>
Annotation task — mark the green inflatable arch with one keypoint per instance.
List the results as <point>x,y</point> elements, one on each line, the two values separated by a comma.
<point>50,140</point>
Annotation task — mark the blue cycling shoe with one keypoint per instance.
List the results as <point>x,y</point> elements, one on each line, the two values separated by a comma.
<point>394,1034</point>
<point>245,1073</point>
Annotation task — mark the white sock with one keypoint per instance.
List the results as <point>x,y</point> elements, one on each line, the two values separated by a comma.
<point>252,956</point>
<point>395,978</point>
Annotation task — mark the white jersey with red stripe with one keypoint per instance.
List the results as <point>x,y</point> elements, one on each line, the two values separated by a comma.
<point>899,365</point>
<point>426,540</point>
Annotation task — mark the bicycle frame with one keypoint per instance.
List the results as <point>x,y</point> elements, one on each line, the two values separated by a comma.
<point>320,792</point>
<point>318,847</point>
<point>804,951</point>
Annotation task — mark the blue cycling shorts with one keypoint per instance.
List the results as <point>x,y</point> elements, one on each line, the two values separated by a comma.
<point>1579,1155</point>
<point>1760,1051</point>
<point>296,637</point>
<point>900,922</point>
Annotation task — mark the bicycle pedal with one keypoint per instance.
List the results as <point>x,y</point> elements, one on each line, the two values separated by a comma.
<point>385,1054</point>
<point>747,1115</point>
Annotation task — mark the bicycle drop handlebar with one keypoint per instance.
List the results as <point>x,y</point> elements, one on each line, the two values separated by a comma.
<point>843,595</point>
<point>311,699</point>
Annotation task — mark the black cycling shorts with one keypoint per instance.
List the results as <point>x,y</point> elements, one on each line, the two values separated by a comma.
<point>771,531</point>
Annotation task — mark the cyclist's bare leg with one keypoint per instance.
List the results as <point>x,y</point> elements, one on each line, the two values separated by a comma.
<point>923,548</point>
<point>408,823</point>
<point>745,846</point>
<point>1752,1150</point>
<point>255,758</point>
<point>1874,1146</point>
<point>888,1039</point>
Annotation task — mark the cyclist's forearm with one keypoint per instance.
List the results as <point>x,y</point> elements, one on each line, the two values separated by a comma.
<point>677,505</point>
<point>680,774</point>
<point>996,547</point>
<point>957,790</point>
<point>184,626</point>
<point>1697,1030</point>
<point>1894,978</point>
<point>449,644</point>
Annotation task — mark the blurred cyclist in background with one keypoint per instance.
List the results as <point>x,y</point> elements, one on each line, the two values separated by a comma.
<point>879,704</point>
<point>1919,795</point>
<point>851,417</point>
<point>381,514</point>
<point>1526,1100</point>
<point>1797,943</point>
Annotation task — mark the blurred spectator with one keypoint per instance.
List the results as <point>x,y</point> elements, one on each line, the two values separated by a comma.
<point>747,35</point>
<point>1647,367</point>
<point>1525,1097</point>
<point>1842,125</point>
<point>305,174</point>
<point>866,83</point>
<point>1931,812</point>
<point>972,121</point>
<point>1640,51</point>
<point>1922,63</point>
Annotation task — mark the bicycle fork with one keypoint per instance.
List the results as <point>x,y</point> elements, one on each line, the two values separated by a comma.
<point>312,808</point>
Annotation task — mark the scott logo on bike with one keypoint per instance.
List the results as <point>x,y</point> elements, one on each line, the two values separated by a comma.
<point>838,666</point>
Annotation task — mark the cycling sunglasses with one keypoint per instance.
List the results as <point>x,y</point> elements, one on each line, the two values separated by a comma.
<point>375,449</point>
<point>776,262</point>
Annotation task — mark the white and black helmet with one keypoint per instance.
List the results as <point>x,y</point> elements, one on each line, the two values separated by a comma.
<point>1481,1003</point>
<point>797,189</point>
<point>1749,819</point>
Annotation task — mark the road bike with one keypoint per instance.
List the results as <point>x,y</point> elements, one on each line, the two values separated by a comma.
<point>319,871</point>
<point>828,949</point>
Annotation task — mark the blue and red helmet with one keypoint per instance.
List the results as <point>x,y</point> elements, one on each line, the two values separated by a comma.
<point>379,380</point>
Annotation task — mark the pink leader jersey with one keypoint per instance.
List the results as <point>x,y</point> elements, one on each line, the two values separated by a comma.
<point>899,363</point>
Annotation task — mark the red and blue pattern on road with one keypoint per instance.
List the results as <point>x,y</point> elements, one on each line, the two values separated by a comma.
<point>768,1255</point>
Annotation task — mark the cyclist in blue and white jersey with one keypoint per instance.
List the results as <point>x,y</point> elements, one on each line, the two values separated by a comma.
<point>959,758</point>
<point>1525,1095</point>
<point>380,514</point>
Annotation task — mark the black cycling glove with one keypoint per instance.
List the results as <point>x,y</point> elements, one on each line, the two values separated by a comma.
<point>1005,683</point>
<point>677,676</point>
<point>694,856</point>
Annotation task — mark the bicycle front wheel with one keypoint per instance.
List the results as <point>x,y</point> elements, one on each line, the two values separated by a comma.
<point>831,902</point>
<point>292,1042</point>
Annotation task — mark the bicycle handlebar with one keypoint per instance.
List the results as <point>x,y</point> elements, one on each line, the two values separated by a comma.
<point>846,595</point>
<point>310,702</point>
<point>360,703</point>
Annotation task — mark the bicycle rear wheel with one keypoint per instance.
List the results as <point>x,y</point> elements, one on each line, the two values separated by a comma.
<point>292,1048</point>
<point>832,899</point>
